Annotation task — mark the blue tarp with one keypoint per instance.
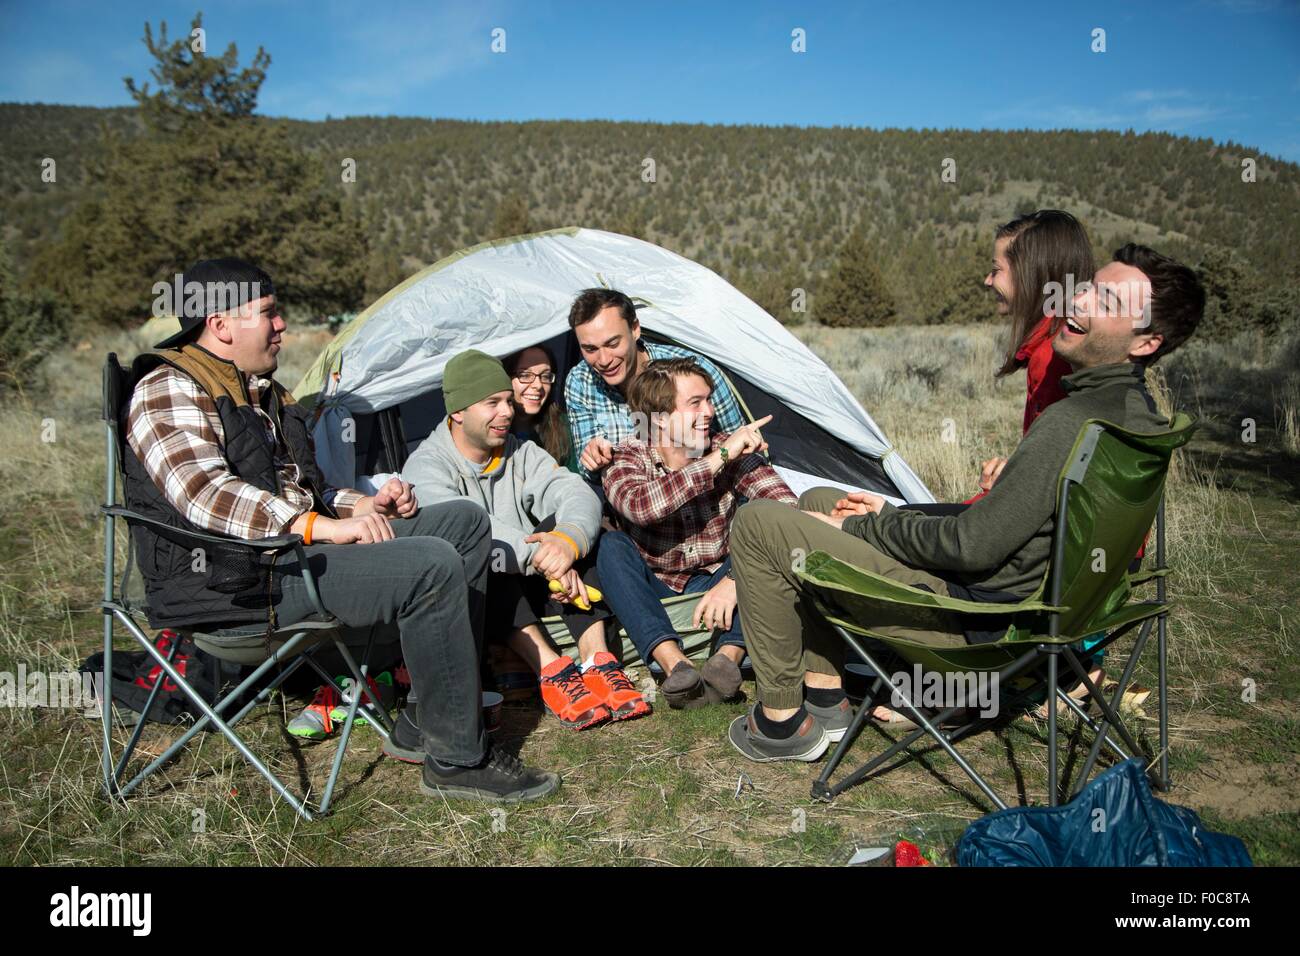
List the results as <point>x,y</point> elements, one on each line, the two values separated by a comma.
<point>1114,821</point>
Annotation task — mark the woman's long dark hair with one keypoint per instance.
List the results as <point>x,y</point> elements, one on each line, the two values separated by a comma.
<point>550,426</point>
<point>1048,246</point>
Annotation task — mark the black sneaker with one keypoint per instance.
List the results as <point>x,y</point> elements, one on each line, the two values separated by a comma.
<point>500,778</point>
<point>405,743</point>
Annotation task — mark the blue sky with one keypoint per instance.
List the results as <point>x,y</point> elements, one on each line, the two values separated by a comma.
<point>1224,69</point>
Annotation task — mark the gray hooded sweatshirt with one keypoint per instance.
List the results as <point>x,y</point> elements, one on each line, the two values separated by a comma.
<point>526,487</point>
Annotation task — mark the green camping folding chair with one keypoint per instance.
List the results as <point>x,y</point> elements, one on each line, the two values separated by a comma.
<point>1110,491</point>
<point>286,648</point>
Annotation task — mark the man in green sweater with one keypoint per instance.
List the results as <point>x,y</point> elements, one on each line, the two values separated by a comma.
<point>1138,308</point>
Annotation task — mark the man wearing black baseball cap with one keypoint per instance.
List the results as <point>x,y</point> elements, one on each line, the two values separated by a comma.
<point>215,445</point>
<point>213,285</point>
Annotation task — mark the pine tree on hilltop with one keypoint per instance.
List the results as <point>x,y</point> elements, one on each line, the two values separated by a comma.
<point>855,294</point>
<point>207,179</point>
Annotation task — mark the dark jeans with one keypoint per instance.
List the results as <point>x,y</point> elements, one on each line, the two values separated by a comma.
<point>633,592</point>
<point>430,581</point>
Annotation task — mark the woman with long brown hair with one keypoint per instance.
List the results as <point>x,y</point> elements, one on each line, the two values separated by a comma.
<point>537,418</point>
<point>1038,259</point>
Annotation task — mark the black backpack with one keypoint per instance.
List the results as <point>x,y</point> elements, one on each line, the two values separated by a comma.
<point>135,673</point>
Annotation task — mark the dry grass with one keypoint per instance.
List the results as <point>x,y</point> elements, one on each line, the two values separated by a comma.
<point>919,383</point>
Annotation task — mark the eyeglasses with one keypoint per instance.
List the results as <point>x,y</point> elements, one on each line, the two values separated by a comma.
<point>526,378</point>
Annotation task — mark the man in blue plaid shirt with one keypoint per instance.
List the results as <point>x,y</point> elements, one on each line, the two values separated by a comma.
<point>595,393</point>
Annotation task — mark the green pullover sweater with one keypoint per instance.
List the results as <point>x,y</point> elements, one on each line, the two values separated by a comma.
<point>1002,542</point>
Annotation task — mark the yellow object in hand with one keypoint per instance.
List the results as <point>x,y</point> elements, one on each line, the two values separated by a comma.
<point>593,595</point>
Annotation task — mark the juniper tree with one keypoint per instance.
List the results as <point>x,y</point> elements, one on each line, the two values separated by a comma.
<point>855,294</point>
<point>208,177</point>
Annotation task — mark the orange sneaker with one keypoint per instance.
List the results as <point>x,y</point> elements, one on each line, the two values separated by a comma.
<point>567,696</point>
<point>606,680</point>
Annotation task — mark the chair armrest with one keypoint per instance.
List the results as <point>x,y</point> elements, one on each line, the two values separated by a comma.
<point>278,543</point>
<point>282,542</point>
<point>826,572</point>
<point>1146,576</point>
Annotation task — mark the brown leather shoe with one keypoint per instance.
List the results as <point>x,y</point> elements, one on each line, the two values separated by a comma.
<point>722,675</point>
<point>684,689</point>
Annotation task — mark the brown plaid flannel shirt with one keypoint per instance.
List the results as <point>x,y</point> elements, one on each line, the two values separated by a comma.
<point>174,429</point>
<point>681,520</point>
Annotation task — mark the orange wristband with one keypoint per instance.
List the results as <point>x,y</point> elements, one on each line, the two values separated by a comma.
<point>573,544</point>
<point>306,531</point>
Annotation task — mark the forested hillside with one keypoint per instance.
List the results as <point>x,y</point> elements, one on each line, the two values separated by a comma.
<point>769,208</point>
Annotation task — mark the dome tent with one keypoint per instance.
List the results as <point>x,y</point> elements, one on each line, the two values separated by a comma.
<point>377,384</point>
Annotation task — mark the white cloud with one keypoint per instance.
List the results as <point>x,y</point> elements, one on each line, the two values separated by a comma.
<point>1168,110</point>
<point>1147,96</point>
<point>1174,117</point>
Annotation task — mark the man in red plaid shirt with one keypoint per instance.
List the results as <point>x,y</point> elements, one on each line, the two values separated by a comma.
<point>675,491</point>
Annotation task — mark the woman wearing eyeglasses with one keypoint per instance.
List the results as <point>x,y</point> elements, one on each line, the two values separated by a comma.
<point>537,418</point>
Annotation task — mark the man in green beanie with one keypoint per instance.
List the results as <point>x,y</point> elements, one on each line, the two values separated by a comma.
<point>545,520</point>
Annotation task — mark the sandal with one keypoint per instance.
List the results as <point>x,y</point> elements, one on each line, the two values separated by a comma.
<point>1134,697</point>
<point>1079,694</point>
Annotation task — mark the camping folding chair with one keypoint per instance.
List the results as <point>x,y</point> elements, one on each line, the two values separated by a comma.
<point>258,646</point>
<point>1110,491</point>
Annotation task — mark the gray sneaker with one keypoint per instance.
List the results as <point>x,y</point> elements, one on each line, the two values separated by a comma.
<point>807,743</point>
<point>835,720</point>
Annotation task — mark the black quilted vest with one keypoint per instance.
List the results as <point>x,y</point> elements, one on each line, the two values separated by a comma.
<point>216,585</point>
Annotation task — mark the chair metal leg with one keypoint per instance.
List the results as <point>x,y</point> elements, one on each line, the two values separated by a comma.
<point>1162,596</point>
<point>383,724</point>
<point>212,716</point>
<point>375,714</point>
<point>339,754</point>
<point>1052,777</point>
<point>1091,724</point>
<point>110,544</point>
<point>109,780</point>
<point>920,718</point>
<point>1102,728</point>
<point>139,727</point>
<point>1162,685</point>
<point>380,719</point>
<point>899,746</point>
<point>821,789</point>
<point>1110,716</point>
<point>359,675</point>
<point>218,707</point>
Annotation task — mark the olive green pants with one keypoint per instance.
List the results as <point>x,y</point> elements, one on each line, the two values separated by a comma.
<point>784,634</point>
